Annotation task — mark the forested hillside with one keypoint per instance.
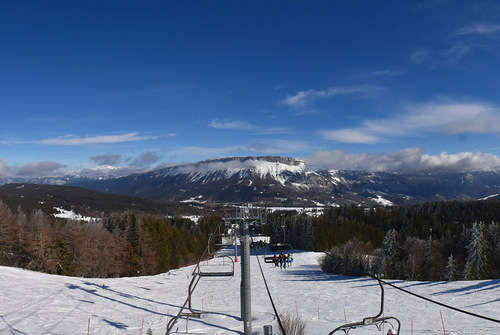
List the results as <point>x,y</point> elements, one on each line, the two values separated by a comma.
<point>85,202</point>
<point>429,241</point>
<point>117,245</point>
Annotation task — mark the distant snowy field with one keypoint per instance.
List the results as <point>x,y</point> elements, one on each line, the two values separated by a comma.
<point>35,303</point>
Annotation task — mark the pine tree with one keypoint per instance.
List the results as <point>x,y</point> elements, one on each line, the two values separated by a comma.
<point>451,271</point>
<point>64,266</point>
<point>476,265</point>
<point>132,262</point>
<point>389,254</point>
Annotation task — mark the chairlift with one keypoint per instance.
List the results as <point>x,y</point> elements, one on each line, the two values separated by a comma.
<point>219,266</point>
<point>224,240</point>
<point>280,247</point>
<point>277,247</point>
<point>376,320</point>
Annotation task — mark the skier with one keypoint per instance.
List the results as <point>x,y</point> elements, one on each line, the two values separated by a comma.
<point>391,332</point>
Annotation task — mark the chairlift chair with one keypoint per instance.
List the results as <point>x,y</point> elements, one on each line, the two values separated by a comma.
<point>226,240</point>
<point>376,320</point>
<point>219,266</point>
<point>277,247</point>
<point>280,247</point>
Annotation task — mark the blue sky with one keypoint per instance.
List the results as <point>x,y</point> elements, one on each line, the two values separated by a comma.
<point>137,85</point>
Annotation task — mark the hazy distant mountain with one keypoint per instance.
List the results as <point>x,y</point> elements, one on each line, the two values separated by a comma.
<point>288,182</point>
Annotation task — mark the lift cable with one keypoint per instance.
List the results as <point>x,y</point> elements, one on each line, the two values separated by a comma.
<point>436,302</point>
<point>269,293</point>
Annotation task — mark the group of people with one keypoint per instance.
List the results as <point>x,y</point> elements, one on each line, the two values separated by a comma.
<point>282,260</point>
<point>259,245</point>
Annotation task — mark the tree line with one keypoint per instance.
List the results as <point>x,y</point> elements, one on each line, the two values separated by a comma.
<point>441,240</point>
<point>116,245</point>
<point>428,241</point>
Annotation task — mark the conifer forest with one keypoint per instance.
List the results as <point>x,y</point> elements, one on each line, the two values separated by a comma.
<point>455,240</point>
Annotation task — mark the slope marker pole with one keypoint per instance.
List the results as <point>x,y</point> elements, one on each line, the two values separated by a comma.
<point>442,321</point>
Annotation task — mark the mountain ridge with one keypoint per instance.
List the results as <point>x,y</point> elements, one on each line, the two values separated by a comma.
<point>287,181</point>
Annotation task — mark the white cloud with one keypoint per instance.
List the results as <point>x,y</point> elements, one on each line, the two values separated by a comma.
<point>352,135</point>
<point>279,146</point>
<point>234,124</point>
<point>479,29</point>
<point>108,171</point>
<point>455,53</point>
<point>303,97</point>
<point>447,117</point>
<point>39,168</point>
<point>406,160</point>
<point>100,139</point>
<point>245,125</point>
<point>4,169</point>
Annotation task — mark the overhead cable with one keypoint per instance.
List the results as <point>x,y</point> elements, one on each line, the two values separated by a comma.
<point>269,293</point>
<point>438,303</point>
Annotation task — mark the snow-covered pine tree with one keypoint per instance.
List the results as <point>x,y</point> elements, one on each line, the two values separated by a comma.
<point>476,264</point>
<point>451,272</point>
<point>389,254</point>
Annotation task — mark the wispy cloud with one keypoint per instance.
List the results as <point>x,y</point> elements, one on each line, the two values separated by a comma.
<point>479,28</point>
<point>279,146</point>
<point>406,160</point>
<point>456,52</point>
<point>446,118</point>
<point>100,139</point>
<point>387,73</point>
<point>245,125</point>
<point>421,55</point>
<point>233,124</point>
<point>304,97</point>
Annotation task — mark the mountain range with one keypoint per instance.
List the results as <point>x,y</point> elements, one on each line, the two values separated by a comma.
<point>284,181</point>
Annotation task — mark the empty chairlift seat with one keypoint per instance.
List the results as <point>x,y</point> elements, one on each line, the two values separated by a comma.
<point>220,266</point>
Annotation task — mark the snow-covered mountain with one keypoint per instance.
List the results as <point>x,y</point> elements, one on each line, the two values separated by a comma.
<point>289,182</point>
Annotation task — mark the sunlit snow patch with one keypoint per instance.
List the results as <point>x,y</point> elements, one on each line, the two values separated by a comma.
<point>65,214</point>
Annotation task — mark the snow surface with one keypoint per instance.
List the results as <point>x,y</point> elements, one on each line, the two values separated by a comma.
<point>66,214</point>
<point>36,303</point>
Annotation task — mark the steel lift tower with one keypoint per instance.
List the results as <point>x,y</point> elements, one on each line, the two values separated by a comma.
<point>244,217</point>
